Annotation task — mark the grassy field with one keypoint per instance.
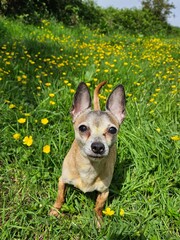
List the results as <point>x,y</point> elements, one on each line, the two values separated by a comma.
<point>40,68</point>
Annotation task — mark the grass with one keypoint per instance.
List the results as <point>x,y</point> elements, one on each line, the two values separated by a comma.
<point>40,68</point>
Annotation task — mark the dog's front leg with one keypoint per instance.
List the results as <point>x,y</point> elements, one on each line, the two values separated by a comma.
<point>60,198</point>
<point>100,202</point>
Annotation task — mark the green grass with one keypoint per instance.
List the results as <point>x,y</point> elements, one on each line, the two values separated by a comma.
<point>36,62</point>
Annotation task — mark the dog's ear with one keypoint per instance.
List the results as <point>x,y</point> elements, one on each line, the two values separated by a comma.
<point>82,100</point>
<point>116,103</point>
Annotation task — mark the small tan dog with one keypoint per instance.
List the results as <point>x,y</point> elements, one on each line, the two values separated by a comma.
<point>89,164</point>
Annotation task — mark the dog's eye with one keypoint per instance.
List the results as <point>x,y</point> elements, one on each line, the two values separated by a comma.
<point>112,130</point>
<point>82,128</point>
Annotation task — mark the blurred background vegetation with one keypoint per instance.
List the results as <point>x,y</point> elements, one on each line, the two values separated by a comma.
<point>150,19</point>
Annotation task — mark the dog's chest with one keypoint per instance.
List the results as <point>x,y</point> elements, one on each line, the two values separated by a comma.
<point>88,179</point>
<point>88,174</point>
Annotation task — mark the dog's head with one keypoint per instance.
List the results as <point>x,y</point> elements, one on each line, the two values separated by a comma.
<point>96,131</point>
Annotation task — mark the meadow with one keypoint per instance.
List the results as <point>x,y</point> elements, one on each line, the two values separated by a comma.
<point>40,68</point>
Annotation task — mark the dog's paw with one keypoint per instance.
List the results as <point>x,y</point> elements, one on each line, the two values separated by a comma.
<point>98,222</point>
<point>54,212</point>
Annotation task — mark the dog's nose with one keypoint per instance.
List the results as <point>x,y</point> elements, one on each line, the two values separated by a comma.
<point>98,147</point>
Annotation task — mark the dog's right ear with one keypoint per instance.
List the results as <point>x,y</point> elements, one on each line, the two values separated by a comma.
<point>82,100</point>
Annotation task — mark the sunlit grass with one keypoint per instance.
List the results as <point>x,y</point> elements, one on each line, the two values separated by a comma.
<point>40,68</point>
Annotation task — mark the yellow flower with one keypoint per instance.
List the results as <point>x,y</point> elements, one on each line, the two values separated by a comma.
<point>108,212</point>
<point>51,95</point>
<point>46,149</point>
<point>21,120</point>
<point>44,121</point>
<point>27,114</point>
<point>47,84</point>
<point>16,136</point>
<point>12,106</point>
<point>24,76</point>
<point>158,130</point>
<point>151,112</point>
<point>109,85</point>
<point>72,90</point>
<point>52,103</point>
<point>174,91</point>
<point>151,100</point>
<point>121,212</point>
<point>137,83</point>
<point>157,89</point>
<point>175,138</point>
<point>28,140</point>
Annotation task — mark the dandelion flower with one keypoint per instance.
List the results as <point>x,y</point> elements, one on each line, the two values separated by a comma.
<point>52,103</point>
<point>16,136</point>
<point>12,106</point>
<point>151,112</point>
<point>175,138</point>
<point>27,114</point>
<point>44,121</point>
<point>151,100</point>
<point>72,90</point>
<point>21,120</point>
<point>121,213</point>
<point>158,130</point>
<point>108,212</point>
<point>46,149</point>
<point>28,140</point>
<point>51,95</point>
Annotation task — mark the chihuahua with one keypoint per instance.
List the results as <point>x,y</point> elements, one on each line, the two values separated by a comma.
<point>89,164</point>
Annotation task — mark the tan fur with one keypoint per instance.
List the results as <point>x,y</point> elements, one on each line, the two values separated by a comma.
<point>84,167</point>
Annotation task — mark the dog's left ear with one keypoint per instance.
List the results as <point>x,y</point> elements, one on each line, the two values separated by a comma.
<point>116,103</point>
<point>82,100</point>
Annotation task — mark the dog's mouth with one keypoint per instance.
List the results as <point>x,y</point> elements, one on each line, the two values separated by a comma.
<point>95,157</point>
